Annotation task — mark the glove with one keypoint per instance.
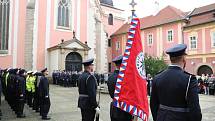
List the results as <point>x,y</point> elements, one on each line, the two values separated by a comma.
<point>46,96</point>
<point>97,110</point>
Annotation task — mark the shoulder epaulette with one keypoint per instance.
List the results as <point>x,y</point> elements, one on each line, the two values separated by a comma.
<point>193,76</point>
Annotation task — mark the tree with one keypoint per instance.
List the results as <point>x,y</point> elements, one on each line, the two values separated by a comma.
<point>154,65</point>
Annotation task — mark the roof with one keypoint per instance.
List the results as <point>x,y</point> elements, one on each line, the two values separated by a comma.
<point>167,15</point>
<point>65,43</point>
<point>201,15</point>
<point>107,2</point>
<point>203,9</point>
<point>123,29</point>
<point>109,6</point>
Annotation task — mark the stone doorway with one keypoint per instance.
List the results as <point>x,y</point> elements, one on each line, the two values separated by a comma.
<point>204,69</point>
<point>73,62</point>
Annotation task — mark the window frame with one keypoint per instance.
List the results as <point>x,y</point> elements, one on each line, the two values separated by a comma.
<point>190,42</point>
<point>148,41</point>
<point>109,67</point>
<point>109,43</point>
<point>7,26</point>
<point>70,16</point>
<point>213,39</point>
<point>168,35</point>
<point>117,45</point>
<point>110,22</point>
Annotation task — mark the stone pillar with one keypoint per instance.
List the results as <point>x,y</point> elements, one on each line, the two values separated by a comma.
<point>29,34</point>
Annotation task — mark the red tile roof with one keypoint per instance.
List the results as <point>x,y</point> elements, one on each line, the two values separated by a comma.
<point>201,19</point>
<point>201,15</point>
<point>203,9</point>
<point>167,15</point>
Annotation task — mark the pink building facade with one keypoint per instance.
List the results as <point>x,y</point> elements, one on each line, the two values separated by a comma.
<point>53,33</point>
<point>172,26</point>
<point>199,34</point>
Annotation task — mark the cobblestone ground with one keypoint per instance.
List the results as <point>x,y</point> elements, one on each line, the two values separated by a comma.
<point>64,107</point>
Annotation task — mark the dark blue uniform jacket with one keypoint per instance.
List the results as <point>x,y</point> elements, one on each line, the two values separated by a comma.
<point>169,89</point>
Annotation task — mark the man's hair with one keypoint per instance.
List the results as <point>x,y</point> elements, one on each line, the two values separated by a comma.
<point>176,59</point>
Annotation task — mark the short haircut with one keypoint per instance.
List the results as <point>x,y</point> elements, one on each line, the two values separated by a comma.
<point>176,59</point>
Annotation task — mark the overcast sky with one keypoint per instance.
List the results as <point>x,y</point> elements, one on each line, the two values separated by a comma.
<point>149,7</point>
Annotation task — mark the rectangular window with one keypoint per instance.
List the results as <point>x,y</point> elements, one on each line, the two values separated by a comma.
<point>213,39</point>
<point>4,25</point>
<point>64,10</point>
<point>150,39</point>
<point>117,45</point>
<point>109,67</point>
<point>170,35</point>
<point>109,42</point>
<point>193,42</point>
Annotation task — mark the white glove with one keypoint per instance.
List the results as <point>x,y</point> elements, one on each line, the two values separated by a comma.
<point>97,110</point>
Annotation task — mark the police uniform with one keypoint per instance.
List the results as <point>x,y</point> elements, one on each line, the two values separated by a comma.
<point>87,87</point>
<point>116,114</point>
<point>20,99</point>
<point>44,96</point>
<point>36,95</point>
<point>11,91</point>
<point>175,93</point>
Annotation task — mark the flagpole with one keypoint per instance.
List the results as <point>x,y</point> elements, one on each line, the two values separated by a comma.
<point>133,4</point>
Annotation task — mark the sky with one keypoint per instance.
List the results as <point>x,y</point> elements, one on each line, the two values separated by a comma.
<point>149,7</point>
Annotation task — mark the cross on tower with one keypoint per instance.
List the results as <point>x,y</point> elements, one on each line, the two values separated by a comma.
<point>133,4</point>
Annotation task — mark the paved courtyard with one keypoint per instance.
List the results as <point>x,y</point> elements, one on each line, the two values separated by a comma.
<point>64,107</point>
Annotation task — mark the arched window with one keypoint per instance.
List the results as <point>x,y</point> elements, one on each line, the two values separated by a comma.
<point>4,25</point>
<point>64,10</point>
<point>110,19</point>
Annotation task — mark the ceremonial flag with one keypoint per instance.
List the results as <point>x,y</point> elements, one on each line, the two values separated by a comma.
<point>131,91</point>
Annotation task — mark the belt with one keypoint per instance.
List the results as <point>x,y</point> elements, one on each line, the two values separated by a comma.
<point>83,95</point>
<point>182,110</point>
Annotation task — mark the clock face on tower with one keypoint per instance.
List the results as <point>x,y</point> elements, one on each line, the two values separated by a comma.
<point>140,65</point>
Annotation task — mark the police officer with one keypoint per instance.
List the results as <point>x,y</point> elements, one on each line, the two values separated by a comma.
<point>30,88</point>
<point>11,91</point>
<point>116,114</point>
<point>36,94</point>
<point>20,99</point>
<point>87,86</point>
<point>175,92</point>
<point>44,95</point>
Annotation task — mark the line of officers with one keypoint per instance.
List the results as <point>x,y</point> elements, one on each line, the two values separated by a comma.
<point>32,88</point>
<point>70,78</point>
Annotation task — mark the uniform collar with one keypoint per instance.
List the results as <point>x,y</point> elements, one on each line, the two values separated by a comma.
<point>175,66</point>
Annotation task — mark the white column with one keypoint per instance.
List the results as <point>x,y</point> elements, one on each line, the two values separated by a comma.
<point>158,41</point>
<point>10,28</point>
<point>78,19</point>
<point>35,35</point>
<point>16,30</point>
<point>73,15</point>
<point>48,24</point>
<point>203,41</point>
<point>180,41</point>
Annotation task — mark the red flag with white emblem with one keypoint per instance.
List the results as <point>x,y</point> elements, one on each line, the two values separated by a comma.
<point>131,91</point>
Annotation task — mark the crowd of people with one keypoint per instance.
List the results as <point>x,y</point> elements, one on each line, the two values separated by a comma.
<point>70,78</point>
<point>20,87</point>
<point>206,84</point>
